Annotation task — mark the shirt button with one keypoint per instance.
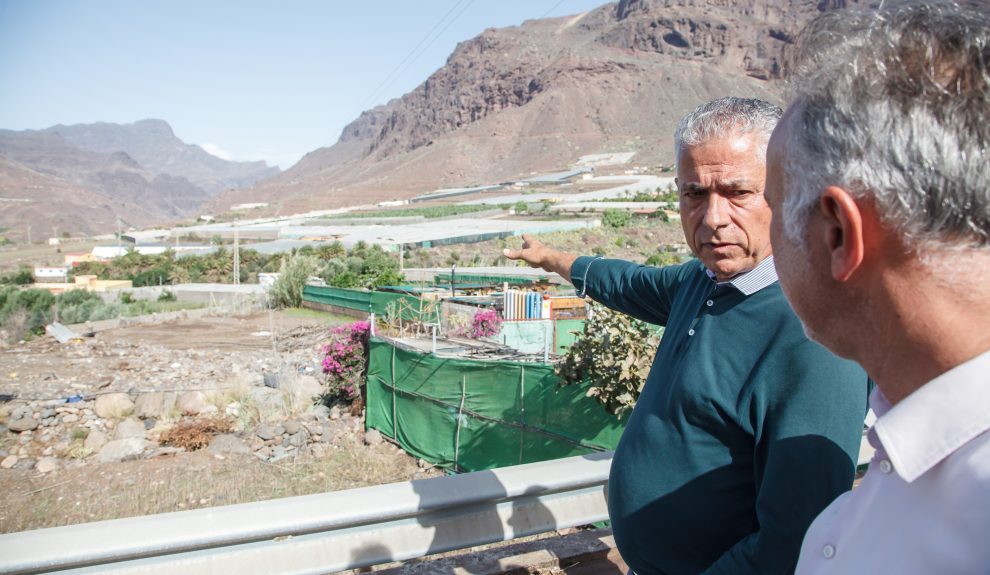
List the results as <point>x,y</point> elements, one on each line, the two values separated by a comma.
<point>828,551</point>
<point>710,303</point>
<point>690,332</point>
<point>886,467</point>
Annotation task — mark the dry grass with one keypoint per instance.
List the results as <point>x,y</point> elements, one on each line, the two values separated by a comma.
<point>196,433</point>
<point>187,481</point>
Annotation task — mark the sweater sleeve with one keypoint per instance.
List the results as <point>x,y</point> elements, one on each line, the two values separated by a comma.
<point>808,429</point>
<point>643,292</point>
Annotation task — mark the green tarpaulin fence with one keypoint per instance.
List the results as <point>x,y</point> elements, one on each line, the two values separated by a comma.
<point>407,306</point>
<point>468,415</point>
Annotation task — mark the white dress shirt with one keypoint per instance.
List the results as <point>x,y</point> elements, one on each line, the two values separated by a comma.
<point>924,504</point>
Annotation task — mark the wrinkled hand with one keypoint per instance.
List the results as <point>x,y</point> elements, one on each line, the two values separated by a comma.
<point>538,255</point>
<point>532,252</point>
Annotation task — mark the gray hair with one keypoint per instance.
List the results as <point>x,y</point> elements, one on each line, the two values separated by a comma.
<point>720,118</point>
<point>894,107</point>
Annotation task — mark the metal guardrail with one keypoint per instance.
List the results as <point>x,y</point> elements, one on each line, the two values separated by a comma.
<point>327,532</point>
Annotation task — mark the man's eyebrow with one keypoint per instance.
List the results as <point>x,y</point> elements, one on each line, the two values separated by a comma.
<point>722,184</point>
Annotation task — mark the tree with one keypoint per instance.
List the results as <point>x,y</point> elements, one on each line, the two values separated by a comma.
<point>292,276</point>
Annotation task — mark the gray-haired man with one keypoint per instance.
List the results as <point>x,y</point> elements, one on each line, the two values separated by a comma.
<point>879,176</point>
<point>745,429</point>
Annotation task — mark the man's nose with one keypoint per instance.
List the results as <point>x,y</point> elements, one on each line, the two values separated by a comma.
<point>716,214</point>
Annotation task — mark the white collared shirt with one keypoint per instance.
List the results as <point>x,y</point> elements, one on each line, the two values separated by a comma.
<point>924,504</point>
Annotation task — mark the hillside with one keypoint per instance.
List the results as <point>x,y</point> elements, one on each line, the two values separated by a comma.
<point>536,97</point>
<point>139,172</point>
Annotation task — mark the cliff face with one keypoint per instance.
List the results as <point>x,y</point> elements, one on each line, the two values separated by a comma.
<point>538,96</point>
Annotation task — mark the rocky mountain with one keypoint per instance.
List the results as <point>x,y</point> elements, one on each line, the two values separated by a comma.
<point>155,147</point>
<point>536,97</point>
<point>141,173</point>
<point>51,206</point>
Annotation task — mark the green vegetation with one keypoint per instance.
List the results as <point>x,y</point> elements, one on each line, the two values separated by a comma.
<point>22,276</point>
<point>27,311</point>
<point>615,218</point>
<point>426,211</point>
<point>614,354</point>
<point>658,195</point>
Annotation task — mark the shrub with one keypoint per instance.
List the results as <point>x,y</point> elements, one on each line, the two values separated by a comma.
<point>486,323</point>
<point>293,273</point>
<point>615,218</point>
<point>166,295</point>
<point>614,354</point>
<point>345,362</point>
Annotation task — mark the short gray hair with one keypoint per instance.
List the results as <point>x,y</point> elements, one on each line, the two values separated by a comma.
<point>894,107</point>
<point>720,118</point>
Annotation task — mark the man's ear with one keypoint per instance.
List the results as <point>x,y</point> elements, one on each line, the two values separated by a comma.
<point>843,231</point>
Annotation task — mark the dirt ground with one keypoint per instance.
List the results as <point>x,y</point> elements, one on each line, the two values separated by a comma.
<point>186,354</point>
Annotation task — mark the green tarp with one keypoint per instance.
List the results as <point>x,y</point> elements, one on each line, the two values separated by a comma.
<point>468,415</point>
<point>383,304</point>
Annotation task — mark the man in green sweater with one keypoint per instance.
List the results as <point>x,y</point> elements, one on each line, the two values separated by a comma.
<point>745,429</point>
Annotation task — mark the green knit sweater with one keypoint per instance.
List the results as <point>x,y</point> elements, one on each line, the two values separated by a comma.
<point>744,432</point>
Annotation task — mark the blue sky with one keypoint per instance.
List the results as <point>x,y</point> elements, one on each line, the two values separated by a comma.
<point>246,79</point>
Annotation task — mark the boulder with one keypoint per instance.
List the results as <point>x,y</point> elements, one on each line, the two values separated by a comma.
<point>193,403</point>
<point>154,405</point>
<point>22,423</point>
<point>373,437</point>
<point>95,440</point>
<point>122,450</point>
<point>292,427</point>
<point>46,465</point>
<point>114,406</point>
<point>8,462</point>
<point>128,428</point>
<point>303,390</point>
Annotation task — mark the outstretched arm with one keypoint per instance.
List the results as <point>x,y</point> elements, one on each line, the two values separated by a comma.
<point>538,255</point>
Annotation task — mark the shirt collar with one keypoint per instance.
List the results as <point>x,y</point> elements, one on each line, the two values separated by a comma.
<point>936,420</point>
<point>763,275</point>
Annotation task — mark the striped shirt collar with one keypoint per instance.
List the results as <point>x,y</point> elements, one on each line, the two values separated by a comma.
<point>763,275</point>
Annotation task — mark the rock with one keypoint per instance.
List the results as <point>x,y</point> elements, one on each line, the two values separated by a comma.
<point>268,401</point>
<point>21,411</point>
<point>114,406</point>
<point>152,404</point>
<point>279,430</point>
<point>266,432</point>
<point>278,452</point>
<point>193,403</point>
<point>321,412</point>
<point>8,462</point>
<point>46,465</point>
<point>122,450</point>
<point>292,427</point>
<point>303,390</point>
<point>298,439</point>
<point>227,443</point>
<point>129,428</point>
<point>25,464</point>
<point>22,424</point>
<point>3,429</point>
<point>335,413</point>
<point>271,380</point>
<point>150,423</point>
<point>48,413</point>
<point>163,451</point>
<point>95,440</point>
<point>70,418</point>
<point>372,437</point>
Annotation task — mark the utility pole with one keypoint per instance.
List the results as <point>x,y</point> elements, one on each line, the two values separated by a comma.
<point>237,258</point>
<point>29,234</point>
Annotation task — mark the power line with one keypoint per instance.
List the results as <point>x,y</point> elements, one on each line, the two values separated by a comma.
<point>417,51</point>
